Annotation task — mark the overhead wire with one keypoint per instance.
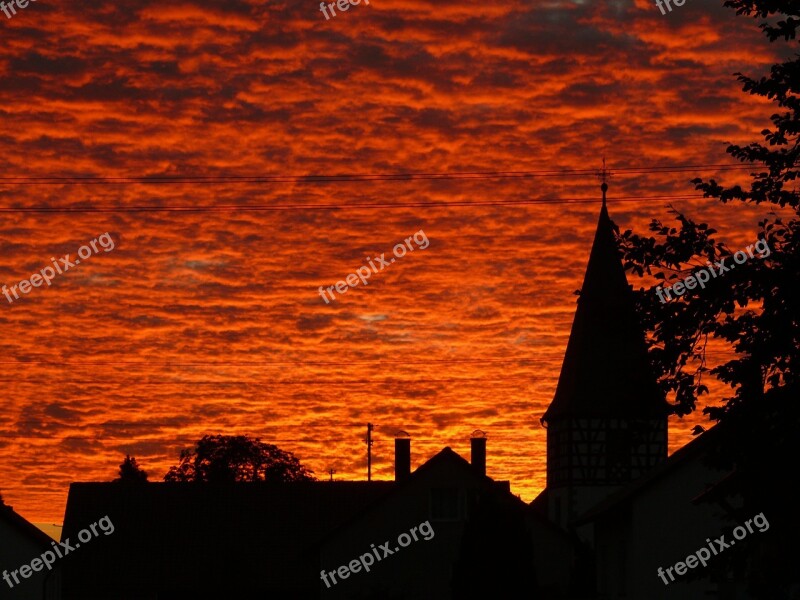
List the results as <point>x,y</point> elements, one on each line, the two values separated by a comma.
<point>347,177</point>
<point>336,206</point>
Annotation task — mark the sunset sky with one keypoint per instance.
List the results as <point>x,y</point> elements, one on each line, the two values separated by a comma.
<point>209,321</point>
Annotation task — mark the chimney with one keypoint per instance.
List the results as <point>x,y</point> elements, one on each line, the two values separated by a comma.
<point>478,451</point>
<point>402,456</point>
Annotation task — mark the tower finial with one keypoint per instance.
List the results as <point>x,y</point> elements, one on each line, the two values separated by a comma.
<point>605,174</point>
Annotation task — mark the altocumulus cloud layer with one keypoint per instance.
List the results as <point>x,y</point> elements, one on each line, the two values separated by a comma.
<point>206,322</point>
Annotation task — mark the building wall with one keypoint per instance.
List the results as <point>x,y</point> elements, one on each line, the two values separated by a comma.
<point>588,459</point>
<point>421,570</point>
<point>658,529</point>
<point>425,569</point>
<point>16,550</point>
<point>554,556</point>
<point>568,503</point>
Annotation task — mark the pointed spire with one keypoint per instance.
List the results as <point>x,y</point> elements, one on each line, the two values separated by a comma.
<point>606,370</point>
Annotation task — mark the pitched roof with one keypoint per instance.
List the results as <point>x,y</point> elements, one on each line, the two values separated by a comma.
<point>446,456</point>
<point>204,538</point>
<point>26,528</point>
<point>606,371</point>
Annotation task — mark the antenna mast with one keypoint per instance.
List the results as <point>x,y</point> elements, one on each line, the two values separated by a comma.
<point>370,427</point>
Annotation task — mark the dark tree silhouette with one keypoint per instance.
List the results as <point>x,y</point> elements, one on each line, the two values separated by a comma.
<point>237,458</point>
<point>765,339</point>
<point>129,471</point>
<point>754,308</point>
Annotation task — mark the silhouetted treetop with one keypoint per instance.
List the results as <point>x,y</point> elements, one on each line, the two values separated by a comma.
<point>237,458</point>
<point>129,471</point>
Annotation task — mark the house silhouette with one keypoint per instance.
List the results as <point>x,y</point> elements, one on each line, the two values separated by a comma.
<point>188,540</point>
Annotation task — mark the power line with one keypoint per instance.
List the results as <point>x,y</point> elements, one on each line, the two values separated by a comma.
<point>188,441</point>
<point>355,441</point>
<point>261,363</point>
<point>346,177</point>
<point>168,436</point>
<point>58,362</point>
<point>353,206</point>
<point>38,382</point>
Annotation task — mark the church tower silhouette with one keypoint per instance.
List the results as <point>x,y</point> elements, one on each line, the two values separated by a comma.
<point>607,423</point>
